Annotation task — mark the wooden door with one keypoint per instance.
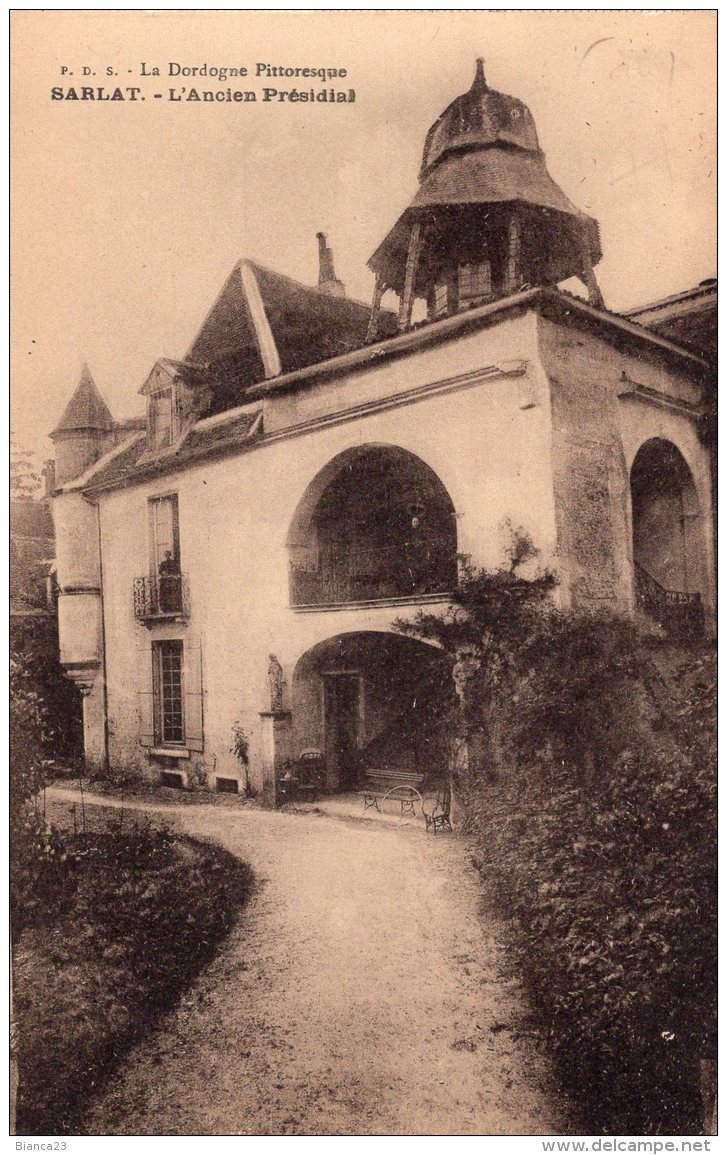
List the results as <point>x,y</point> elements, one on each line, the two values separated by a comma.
<point>342,727</point>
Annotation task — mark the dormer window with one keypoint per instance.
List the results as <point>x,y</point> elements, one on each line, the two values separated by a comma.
<point>161,419</point>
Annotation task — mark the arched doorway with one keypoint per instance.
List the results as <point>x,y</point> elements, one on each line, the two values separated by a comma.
<point>376,523</point>
<point>667,548</point>
<point>372,701</point>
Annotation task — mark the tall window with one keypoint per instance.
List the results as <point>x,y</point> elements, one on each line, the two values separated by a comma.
<point>167,660</point>
<point>164,561</point>
<point>164,530</point>
<point>161,419</point>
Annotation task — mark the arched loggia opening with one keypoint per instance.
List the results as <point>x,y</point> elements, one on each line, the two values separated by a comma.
<point>376,523</point>
<point>667,533</point>
<point>372,701</point>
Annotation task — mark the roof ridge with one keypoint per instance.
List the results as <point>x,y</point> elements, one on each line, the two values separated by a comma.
<point>673,298</point>
<point>258,266</point>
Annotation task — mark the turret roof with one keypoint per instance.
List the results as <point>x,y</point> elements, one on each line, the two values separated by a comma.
<point>480,118</point>
<point>86,409</point>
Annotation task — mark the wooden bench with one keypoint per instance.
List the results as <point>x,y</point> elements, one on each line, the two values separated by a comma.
<point>405,792</point>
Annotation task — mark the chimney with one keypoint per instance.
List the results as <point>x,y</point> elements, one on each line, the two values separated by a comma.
<point>328,282</point>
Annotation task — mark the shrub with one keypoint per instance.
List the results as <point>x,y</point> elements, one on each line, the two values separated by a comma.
<point>41,870</point>
<point>149,910</point>
<point>589,786</point>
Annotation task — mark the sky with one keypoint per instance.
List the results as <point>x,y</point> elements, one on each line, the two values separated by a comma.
<point>127,217</point>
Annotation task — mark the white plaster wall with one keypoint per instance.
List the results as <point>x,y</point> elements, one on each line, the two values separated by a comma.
<point>589,378</point>
<point>76,533</point>
<point>79,628</point>
<point>489,444</point>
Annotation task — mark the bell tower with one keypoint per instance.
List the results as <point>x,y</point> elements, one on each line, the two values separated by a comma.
<point>488,219</point>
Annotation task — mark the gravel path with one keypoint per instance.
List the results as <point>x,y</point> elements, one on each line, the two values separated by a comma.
<point>363,992</point>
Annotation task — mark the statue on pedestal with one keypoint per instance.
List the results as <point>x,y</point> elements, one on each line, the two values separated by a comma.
<point>275,681</point>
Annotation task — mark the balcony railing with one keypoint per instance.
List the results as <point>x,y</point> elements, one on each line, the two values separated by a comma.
<point>161,598</point>
<point>410,569</point>
<point>676,611</point>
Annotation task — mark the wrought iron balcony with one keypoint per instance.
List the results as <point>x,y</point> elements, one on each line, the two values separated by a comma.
<point>410,569</point>
<point>162,598</point>
<point>676,611</point>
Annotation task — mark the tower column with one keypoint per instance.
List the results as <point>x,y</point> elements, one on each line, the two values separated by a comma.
<point>412,263</point>
<point>588,277</point>
<point>375,308</point>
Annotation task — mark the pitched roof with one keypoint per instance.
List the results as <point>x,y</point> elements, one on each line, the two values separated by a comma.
<point>688,318</point>
<point>263,324</point>
<point>242,428</point>
<point>86,409</point>
<point>131,462</point>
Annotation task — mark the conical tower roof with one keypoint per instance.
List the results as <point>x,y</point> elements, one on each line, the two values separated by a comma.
<point>86,409</point>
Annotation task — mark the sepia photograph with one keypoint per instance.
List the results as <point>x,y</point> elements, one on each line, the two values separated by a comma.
<point>363,574</point>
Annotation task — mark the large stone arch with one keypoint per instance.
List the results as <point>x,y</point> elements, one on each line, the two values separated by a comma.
<point>371,700</point>
<point>375,523</point>
<point>667,535</point>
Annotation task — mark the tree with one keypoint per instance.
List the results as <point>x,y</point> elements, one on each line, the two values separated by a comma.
<point>25,481</point>
<point>590,793</point>
<point>483,631</point>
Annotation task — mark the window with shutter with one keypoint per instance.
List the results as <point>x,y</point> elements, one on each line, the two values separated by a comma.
<point>145,694</point>
<point>161,419</point>
<point>163,531</point>
<point>171,695</point>
<point>193,698</point>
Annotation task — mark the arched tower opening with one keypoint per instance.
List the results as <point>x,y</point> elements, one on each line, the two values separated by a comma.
<point>375,524</point>
<point>667,537</point>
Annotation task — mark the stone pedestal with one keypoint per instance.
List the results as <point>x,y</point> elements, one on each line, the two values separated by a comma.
<point>88,676</point>
<point>94,728</point>
<point>276,733</point>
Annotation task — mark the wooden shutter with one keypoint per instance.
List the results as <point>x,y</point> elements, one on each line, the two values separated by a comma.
<point>174,511</point>
<point>193,696</point>
<point>145,692</point>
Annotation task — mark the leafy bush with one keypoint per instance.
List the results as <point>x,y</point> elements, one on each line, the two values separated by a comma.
<point>241,749</point>
<point>149,910</point>
<point>36,671</point>
<point>41,870</point>
<point>589,781</point>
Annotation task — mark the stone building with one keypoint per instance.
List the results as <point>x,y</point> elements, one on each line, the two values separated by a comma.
<point>312,468</point>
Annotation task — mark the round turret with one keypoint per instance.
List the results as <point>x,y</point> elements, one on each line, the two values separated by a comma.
<point>83,433</point>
